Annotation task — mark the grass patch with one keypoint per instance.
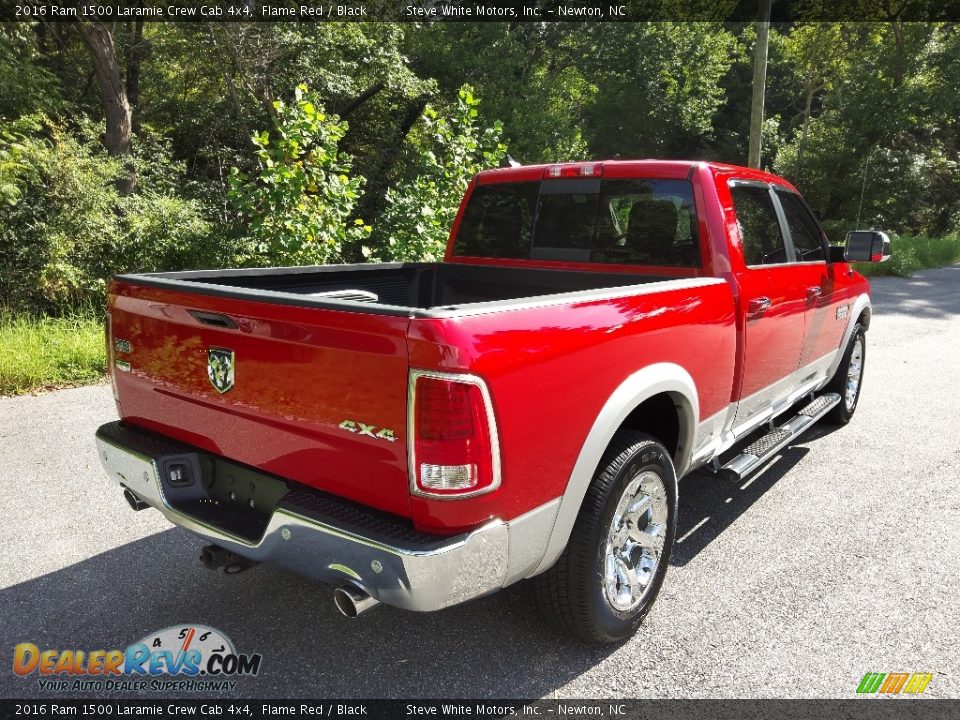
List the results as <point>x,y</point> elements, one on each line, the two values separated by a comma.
<point>37,353</point>
<point>911,253</point>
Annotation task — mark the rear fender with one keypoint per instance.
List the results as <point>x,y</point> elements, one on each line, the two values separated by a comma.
<point>639,387</point>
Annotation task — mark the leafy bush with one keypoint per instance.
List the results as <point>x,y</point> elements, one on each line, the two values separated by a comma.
<point>64,227</point>
<point>904,262</point>
<point>29,85</point>
<point>449,150</point>
<point>299,207</point>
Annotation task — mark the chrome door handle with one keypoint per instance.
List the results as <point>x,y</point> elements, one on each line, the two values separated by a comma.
<point>814,291</point>
<point>758,305</point>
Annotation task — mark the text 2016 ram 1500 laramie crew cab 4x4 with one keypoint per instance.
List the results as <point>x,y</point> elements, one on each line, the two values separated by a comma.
<point>421,434</point>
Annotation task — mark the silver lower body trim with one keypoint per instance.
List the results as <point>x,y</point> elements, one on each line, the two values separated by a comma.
<point>409,576</point>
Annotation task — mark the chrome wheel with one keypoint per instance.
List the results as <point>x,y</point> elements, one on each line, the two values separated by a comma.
<point>635,541</point>
<point>854,373</point>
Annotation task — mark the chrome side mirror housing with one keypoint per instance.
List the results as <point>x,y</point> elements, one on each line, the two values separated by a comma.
<point>867,246</point>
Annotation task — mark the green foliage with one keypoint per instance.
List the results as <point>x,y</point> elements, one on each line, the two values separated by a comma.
<point>451,148</point>
<point>300,204</point>
<point>526,73</point>
<point>64,228</point>
<point>658,86</point>
<point>44,352</point>
<point>881,139</point>
<point>864,117</point>
<point>28,86</point>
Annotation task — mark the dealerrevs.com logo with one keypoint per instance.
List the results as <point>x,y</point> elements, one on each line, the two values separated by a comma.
<point>185,658</point>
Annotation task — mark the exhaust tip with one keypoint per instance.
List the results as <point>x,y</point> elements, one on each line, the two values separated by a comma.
<point>351,601</point>
<point>135,503</point>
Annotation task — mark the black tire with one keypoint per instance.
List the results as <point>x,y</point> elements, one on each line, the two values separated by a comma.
<point>572,593</point>
<point>841,414</point>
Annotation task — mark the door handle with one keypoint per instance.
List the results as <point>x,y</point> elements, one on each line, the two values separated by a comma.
<point>759,304</point>
<point>813,292</point>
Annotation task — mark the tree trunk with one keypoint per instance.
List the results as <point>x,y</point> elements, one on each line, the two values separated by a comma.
<point>759,85</point>
<point>113,96</point>
<point>135,55</point>
<point>361,99</point>
<point>378,179</point>
<point>113,92</point>
<point>807,110</point>
<point>900,57</point>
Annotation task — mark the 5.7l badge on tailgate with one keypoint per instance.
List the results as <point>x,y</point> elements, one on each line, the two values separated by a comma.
<point>220,368</point>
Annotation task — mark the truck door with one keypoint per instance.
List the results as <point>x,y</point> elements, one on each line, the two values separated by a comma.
<point>773,302</point>
<point>824,288</point>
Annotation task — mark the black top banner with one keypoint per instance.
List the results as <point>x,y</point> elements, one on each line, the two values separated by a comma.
<point>428,11</point>
<point>871,709</point>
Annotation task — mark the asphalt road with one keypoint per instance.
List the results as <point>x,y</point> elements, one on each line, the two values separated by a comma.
<point>842,557</point>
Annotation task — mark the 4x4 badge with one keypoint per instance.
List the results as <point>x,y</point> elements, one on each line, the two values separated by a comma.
<point>220,368</point>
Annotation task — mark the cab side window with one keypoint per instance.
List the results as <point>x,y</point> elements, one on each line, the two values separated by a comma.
<point>804,230</point>
<point>763,242</point>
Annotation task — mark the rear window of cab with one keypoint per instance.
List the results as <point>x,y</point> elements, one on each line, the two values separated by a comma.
<point>590,220</point>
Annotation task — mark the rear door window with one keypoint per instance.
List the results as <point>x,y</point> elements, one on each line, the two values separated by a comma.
<point>763,242</point>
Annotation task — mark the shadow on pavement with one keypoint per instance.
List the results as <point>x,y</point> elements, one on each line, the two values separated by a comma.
<point>709,505</point>
<point>928,294</point>
<point>494,647</point>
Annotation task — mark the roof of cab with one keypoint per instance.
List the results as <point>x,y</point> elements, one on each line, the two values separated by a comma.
<point>627,168</point>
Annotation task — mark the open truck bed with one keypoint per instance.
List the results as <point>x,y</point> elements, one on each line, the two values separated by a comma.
<point>417,289</point>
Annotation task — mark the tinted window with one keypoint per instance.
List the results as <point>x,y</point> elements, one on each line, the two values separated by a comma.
<point>804,230</point>
<point>647,222</point>
<point>762,240</point>
<point>498,221</point>
<point>640,222</point>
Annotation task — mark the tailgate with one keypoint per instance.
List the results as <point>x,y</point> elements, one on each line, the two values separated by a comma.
<point>310,394</point>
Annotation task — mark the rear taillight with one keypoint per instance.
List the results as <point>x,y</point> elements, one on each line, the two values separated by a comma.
<point>453,446</point>
<point>111,371</point>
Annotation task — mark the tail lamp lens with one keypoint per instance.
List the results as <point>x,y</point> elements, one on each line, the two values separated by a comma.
<point>111,371</point>
<point>453,452</point>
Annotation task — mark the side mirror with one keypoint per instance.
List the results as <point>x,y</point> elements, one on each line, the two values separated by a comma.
<point>867,246</point>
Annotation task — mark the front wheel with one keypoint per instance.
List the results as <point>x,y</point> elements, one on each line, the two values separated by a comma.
<point>848,379</point>
<point>608,577</point>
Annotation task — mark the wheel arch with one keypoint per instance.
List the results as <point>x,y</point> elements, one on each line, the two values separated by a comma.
<point>860,312</point>
<point>635,404</point>
<point>865,314</point>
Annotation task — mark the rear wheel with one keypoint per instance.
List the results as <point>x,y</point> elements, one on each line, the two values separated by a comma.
<point>611,571</point>
<point>848,379</point>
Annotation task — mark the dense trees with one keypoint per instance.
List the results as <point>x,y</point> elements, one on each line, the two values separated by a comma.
<point>151,146</point>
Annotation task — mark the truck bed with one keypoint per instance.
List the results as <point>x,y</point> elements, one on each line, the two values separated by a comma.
<point>314,354</point>
<point>420,289</point>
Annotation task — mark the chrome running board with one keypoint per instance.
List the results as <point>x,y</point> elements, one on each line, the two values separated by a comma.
<point>757,453</point>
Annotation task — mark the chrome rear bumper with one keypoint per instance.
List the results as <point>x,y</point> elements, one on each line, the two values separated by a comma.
<point>335,542</point>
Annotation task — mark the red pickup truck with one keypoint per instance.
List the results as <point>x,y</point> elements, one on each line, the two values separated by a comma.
<point>421,434</point>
